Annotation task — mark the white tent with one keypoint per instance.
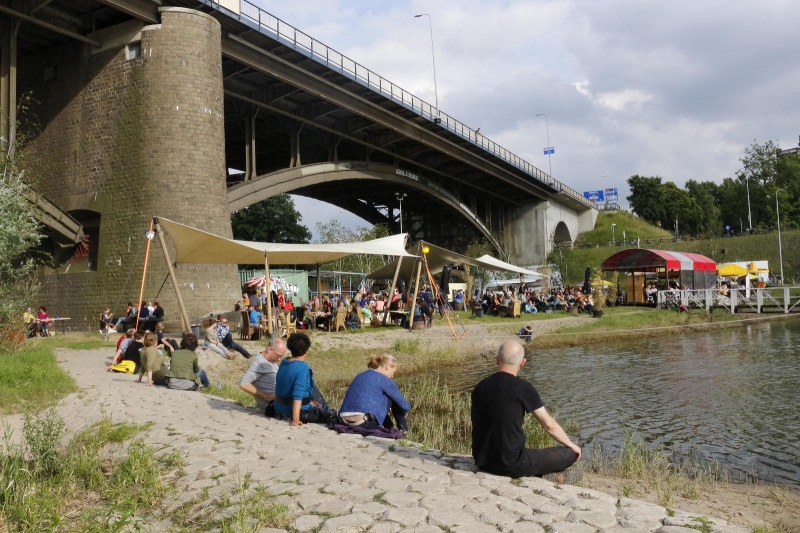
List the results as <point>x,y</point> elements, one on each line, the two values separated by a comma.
<point>196,246</point>
<point>438,257</point>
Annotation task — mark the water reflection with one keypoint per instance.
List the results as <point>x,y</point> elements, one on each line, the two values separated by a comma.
<point>729,396</point>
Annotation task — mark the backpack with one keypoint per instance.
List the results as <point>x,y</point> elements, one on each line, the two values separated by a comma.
<point>125,366</point>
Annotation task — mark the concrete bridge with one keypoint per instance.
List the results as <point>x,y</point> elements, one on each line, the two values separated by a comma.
<point>145,106</point>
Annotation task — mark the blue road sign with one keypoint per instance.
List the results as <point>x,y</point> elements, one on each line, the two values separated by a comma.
<point>549,150</point>
<point>596,196</point>
<point>612,194</point>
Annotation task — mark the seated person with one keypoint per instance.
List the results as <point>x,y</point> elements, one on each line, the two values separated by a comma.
<point>353,321</point>
<point>152,364</point>
<point>499,405</point>
<point>255,317</point>
<point>122,346</point>
<point>367,312</point>
<point>44,322</point>
<point>133,351</point>
<point>212,341</point>
<point>373,398</point>
<point>29,319</point>
<point>184,369</point>
<point>526,333</point>
<point>427,313</point>
<point>259,378</point>
<point>144,314</point>
<point>296,395</point>
<point>129,320</point>
<point>225,337</point>
<point>156,316</point>
<point>107,320</point>
<point>164,345</point>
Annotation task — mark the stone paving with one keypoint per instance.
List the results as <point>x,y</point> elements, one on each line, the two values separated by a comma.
<point>334,482</point>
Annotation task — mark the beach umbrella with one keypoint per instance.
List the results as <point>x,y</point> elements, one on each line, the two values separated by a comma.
<point>753,268</point>
<point>258,281</point>
<point>732,270</point>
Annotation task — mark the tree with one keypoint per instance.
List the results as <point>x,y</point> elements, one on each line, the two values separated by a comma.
<point>272,220</point>
<point>705,195</point>
<point>333,232</point>
<point>19,234</point>
<point>646,198</point>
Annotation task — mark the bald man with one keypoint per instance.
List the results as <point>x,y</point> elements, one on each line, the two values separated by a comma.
<point>499,405</point>
<point>259,378</point>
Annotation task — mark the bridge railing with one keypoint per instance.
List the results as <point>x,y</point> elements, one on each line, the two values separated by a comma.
<point>290,36</point>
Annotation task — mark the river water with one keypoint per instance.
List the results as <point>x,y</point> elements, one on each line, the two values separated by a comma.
<point>730,396</point>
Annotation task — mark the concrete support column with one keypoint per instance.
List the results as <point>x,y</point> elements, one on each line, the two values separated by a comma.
<point>250,148</point>
<point>8,82</point>
<point>294,138</point>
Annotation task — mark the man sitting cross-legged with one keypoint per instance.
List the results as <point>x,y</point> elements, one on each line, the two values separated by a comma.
<point>499,405</point>
<point>259,378</point>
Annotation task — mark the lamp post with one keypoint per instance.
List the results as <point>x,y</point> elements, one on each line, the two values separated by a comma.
<point>749,216</point>
<point>780,249</point>
<point>433,58</point>
<point>613,238</point>
<point>400,196</point>
<point>549,148</point>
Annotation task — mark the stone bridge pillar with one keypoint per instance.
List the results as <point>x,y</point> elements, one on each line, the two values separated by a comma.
<point>132,129</point>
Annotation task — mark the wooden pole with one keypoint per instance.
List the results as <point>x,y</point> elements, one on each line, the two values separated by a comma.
<point>319,284</point>
<point>187,327</point>
<point>391,289</point>
<point>269,293</point>
<point>416,289</point>
<point>144,273</point>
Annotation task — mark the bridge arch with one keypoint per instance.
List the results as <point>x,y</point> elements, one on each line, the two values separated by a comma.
<point>288,180</point>
<point>561,233</point>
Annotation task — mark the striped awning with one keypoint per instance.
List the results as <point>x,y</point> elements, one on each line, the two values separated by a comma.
<point>642,260</point>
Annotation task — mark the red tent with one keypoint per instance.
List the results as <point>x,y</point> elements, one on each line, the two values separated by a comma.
<point>688,270</point>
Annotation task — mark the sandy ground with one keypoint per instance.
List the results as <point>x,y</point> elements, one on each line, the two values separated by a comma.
<point>223,441</point>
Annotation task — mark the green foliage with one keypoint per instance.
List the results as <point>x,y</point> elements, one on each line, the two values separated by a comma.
<point>704,208</point>
<point>19,233</point>
<point>272,220</point>
<point>31,378</point>
<point>44,487</point>
<point>333,232</point>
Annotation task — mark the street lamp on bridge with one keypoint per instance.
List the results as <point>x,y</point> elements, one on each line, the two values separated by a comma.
<point>400,197</point>
<point>549,150</point>
<point>436,119</point>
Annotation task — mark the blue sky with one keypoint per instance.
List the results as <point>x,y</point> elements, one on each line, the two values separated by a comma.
<point>676,89</point>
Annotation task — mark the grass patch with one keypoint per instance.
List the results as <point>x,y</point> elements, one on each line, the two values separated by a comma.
<point>231,392</point>
<point>653,468</point>
<point>31,379</point>
<point>81,487</point>
<point>623,322</point>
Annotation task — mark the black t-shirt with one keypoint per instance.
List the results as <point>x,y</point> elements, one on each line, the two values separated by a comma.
<point>499,405</point>
<point>132,353</point>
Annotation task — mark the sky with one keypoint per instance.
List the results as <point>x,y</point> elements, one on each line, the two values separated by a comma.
<point>672,88</point>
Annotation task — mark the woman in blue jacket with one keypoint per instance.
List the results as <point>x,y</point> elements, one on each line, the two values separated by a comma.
<point>373,398</point>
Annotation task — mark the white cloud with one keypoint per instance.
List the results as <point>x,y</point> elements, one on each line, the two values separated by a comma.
<point>677,89</point>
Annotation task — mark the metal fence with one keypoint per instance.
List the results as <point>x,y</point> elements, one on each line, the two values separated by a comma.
<point>776,299</point>
<point>290,36</point>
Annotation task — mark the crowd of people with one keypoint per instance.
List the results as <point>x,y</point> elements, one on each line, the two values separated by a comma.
<point>282,383</point>
<point>499,301</point>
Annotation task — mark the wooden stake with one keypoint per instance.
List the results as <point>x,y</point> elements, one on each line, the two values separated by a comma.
<point>391,290</point>
<point>187,327</point>
<point>144,273</point>
<point>269,293</point>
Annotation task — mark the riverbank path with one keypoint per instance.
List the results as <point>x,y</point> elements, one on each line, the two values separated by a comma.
<point>334,482</point>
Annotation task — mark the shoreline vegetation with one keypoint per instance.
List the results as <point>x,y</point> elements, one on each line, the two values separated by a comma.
<point>440,419</point>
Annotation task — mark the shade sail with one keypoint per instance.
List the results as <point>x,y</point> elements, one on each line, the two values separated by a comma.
<point>732,270</point>
<point>498,265</point>
<point>196,246</point>
<point>439,257</point>
<point>642,260</point>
